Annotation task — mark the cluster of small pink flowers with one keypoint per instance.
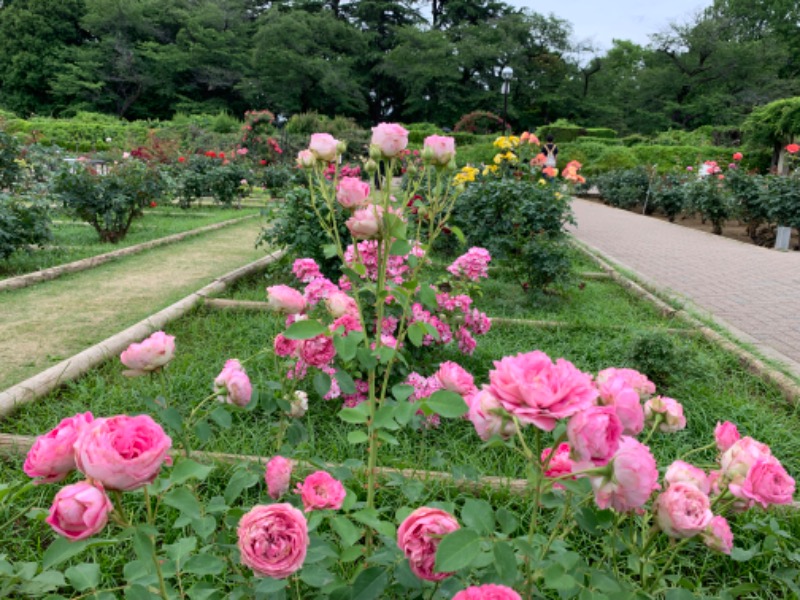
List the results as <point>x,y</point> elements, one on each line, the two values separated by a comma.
<point>474,265</point>
<point>346,170</point>
<point>306,269</point>
<point>353,400</point>
<point>367,254</point>
<point>452,309</point>
<point>424,387</point>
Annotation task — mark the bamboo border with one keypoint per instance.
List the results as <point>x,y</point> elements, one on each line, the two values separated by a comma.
<point>77,365</point>
<point>788,387</point>
<point>29,279</point>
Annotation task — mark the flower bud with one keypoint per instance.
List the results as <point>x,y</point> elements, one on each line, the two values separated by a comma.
<point>428,154</point>
<point>452,166</point>
<point>411,170</point>
<point>341,147</point>
<point>371,167</point>
<point>375,152</point>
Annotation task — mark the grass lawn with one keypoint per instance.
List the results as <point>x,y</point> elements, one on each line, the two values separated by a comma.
<point>74,240</point>
<point>606,327</point>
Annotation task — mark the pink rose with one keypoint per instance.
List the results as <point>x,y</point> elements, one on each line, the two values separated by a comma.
<point>284,346</point>
<point>717,535</point>
<point>726,435</point>
<point>618,393</point>
<point>306,269</point>
<point>535,390</point>
<point>682,511</point>
<point>419,536</point>
<point>767,482</point>
<point>737,460</point>
<point>233,384</point>
<point>323,146</point>
<point>683,472</point>
<point>320,491</point>
<point>148,355</point>
<point>52,455</point>
<point>318,351</point>
<point>560,464</point>
<point>282,298</point>
<point>366,222</point>
<point>638,381</point>
<point>340,304</point>
<point>306,159</point>
<point>440,148</point>
<point>594,434</point>
<point>273,540</point>
<point>352,192</point>
<point>671,412</point>
<point>79,510</point>
<point>277,475</point>
<point>631,479</point>
<point>489,417</point>
<point>487,591</point>
<point>454,378</point>
<point>122,452</point>
<point>390,138</point>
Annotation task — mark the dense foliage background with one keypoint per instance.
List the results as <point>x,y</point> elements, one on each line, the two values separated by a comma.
<point>378,59</point>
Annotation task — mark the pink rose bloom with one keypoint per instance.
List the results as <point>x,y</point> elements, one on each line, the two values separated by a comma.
<point>284,346</point>
<point>726,435</point>
<point>273,540</point>
<point>306,269</point>
<point>365,222</point>
<point>473,265</point>
<point>767,482</point>
<point>233,385</point>
<point>123,453</point>
<point>419,536</point>
<point>631,480</point>
<point>560,464</point>
<point>320,491</point>
<point>487,591</point>
<point>79,510</point>
<point>594,434</point>
<point>390,138</point>
<point>638,381</point>
<point>352,192</point>
<point>282,298</point>
<point>340,304</point>
<point>441,148</point>
<point>618,393</point>
<point>535,390</point>
<point>454,378</point>
<point>52,455</point>
<point>318,351</point>
<point>489,417</point>
<point>717,535</point>
<point>306,159</point>
<point>672,411</point>
<point>737,460</point>
<point>682,511</point>
<point>148,355</point>
<point>277,475</point>
<point>323,146</point>
<point>683,472</point>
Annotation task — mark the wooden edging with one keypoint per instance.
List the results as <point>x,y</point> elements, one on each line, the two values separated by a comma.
<point>21,281</point>
<point>788,387</point>
<point>20,444</point>
<point>75,366</point>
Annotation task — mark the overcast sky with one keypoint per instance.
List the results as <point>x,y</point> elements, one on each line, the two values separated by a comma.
<point>603,20</point>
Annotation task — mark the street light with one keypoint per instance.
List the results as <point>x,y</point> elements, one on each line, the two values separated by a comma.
<point>507,73</point>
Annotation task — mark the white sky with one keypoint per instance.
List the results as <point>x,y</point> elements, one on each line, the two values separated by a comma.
<point>600,21</point>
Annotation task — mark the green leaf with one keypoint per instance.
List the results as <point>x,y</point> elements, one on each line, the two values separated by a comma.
<point>356,415</point>
<point>62,549</point>
<point>83,576</point>
<point>181,549</point>
<point>366,359</point>
<point>357,437</point>
<point>346,383</point>
<point>322,383</point>
<point>186,469</point>
<point>221,417</point>
<point>741,555</point>
<point>384,417</point>
<point>267,585</point>
<point>404,411</point>
<point>447,404</point>
<point>203,431</point>
<point>304,330</point>
<point>478,515</point>
<point>394,226</point>
<point>428,297</point>
<point>241,480</point>
<point>505,562</point>
<point>346,345</point>
<point>329,250</point>
<point>139,592</point>
<point>679,594</point>
<point>457,550</point>
<point>415,333</point>
<point>370,584</point>
<point>402,391</point>
<point>593,520</point>
<point>400,248</point>
<point>172,418</point>
<point>346,530</point>
<point>204,564</point>
<point>185,501</point>
<point>388,438</point>
<point>371,518</point>
<point>458,233</point>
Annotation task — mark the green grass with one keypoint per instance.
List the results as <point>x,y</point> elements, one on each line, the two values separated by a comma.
<point>74,240</point>
<point>607,327</point>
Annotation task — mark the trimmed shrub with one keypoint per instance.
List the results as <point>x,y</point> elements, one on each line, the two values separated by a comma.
<point>204,176</point>
<point>668,196</point>
<point>781,200</point>
<point>709,197</point>
<point>750,198</point>
<point>563,131</point>
<point>479,122</point>
<point>613,158</point>
<point>22,224</point>
<point>9,167</point>
<point>624,188</point>
<point>475,154</point>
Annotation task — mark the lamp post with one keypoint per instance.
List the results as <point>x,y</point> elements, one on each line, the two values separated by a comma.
<point>507,73</point>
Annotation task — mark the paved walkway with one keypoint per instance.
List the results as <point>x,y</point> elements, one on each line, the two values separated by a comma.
<point>752,291</point>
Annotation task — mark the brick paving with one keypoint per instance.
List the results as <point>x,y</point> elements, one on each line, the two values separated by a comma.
<point>752,291</point>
